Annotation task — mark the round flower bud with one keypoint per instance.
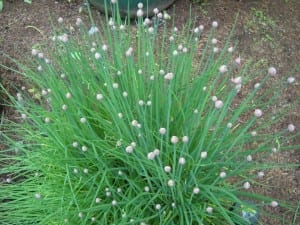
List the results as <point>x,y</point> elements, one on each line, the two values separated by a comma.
<point>167,169</point>
<point>162,130</point>
<point>171,183</point>
<point>219,104</point>
<point>129,149</point>
<point>196,190</point>
<point>209,209</point>
<point>203,155</point>
<point>291,80</point>
<point>260,174</point>
<point>146,189</point>
<point>291,127</point>
<point>249,158</point>
<point>223,69</point>
<point>174,139</point>
<point>258,113</point>
<point>214,24</point>
<point>82,120</point>
<point>151,155</point>
<point>185,139</point>
<point>169,76</point>
<point>181,161</point>
<point>139,13</point>
<point>246,185</point>
<point>272,71</point>
<point>157,206</point>
<point>274,204</point>
<point>222,174</point>
<point>84,148</point>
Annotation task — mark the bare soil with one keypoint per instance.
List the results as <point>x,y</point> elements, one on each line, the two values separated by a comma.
<point>267,30</point>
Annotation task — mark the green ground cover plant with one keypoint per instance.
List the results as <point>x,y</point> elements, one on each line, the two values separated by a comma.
<point>140,124</point>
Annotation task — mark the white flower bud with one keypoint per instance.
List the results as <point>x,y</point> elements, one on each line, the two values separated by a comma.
<point>246,185</point>
<point>272,71</point>
<point>171,183</point>
<point>139,13</point>
<point>291,80</point>
<point>219,104</point>
<point>258,113</point>
<point>167,169</point>
<point>274,204</point>
<point>223,69</point>
<point>174,139</point>
<point>214,24</point>
<point>185,139</point>
<point>203,155</point>
<point>222,174</point>
<point>291,127</point>
<point>129,149</point>
<point>209,209</point>
<point>196,190</point>
<point>181,161</point>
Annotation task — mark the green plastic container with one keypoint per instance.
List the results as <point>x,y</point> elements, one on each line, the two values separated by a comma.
<point>124,5</point>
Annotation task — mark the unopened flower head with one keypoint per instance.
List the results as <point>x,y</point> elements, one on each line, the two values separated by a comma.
<point>260,174</point>
<point>209,209</point>
<point>129,149</point>
<point>68,95</point>
<point>151,155</point>
<point>174,139</point>
<point>139,13</point>
<point>291,127</point>
<point>238,60</point>
<point>97,55</point>
<point>171,183</point>
<point>291,80</point>
<point>155,11</point>
<point>258,112</point>
<point>249,158</point>
<point>196,190</point>
<point>223,174</point>
<point>223,69</point>
<point>60,20</point>
<point>99,97</point>
<point>78,21</point>
<point>246,185</point>
<point>146,189</point>
<point>214,24</point>
<point>237,80</point>
<point>214,98</point>
<point>83,120</point>
<point>272,71</point>
<point>158,206</point>
<point>114,202</point>
<point>185,139</point>
<point>274,204</point>
<point>169,76</point>
<point>181,161</point>
<point>214,41</point>
<point>203,155</point>
<point>167,169</point>
<point>84,148</point>
<point>219,104</point>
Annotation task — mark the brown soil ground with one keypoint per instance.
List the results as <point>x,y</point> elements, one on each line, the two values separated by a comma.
<point>266,30</point>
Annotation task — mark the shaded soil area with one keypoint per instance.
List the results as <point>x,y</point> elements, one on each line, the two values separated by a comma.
<point>267,31</point>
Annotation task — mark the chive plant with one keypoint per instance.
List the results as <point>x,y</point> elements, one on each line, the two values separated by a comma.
<point>138,124</point>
